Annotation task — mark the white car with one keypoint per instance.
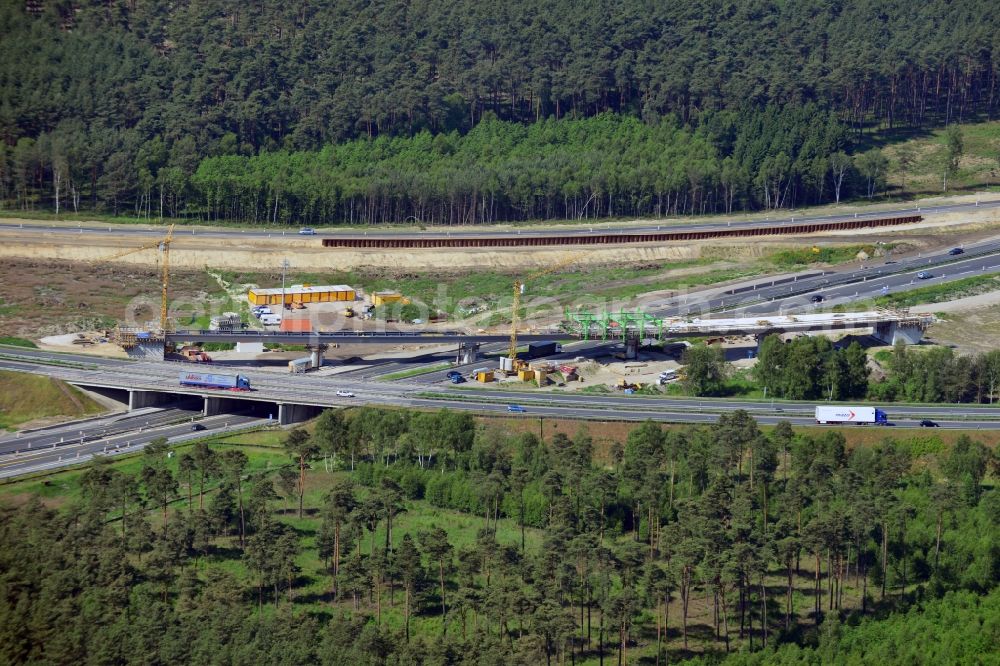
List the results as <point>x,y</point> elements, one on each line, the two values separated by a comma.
<point>307,231</point>
<point>344,394</point>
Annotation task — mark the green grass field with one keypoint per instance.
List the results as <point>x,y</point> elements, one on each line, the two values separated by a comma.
<point>17,342</point>
<point>938,293</point>
<point>414,372</point>
<point>916,159</point>
<point>25,398</point>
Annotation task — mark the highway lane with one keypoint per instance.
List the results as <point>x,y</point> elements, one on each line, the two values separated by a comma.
<point>877,286</point>
<point>35,460</point>
<point>320,391</point>
<point>677,416</point>
<point>309,389</point>
<point>570,230</point>
<point>788,296</point>
<point>91,429</point>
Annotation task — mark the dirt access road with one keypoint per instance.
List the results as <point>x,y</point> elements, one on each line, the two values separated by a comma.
<point>230,249</point>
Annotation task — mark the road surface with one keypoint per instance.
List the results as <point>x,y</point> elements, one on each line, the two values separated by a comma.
<point>568,230</point>
<point>26,461</point>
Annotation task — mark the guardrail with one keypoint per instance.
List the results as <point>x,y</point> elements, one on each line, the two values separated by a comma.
<point>620,237</point>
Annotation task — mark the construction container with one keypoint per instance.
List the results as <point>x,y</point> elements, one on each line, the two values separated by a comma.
<point>539,349</point>
<point>506,364</point>
<point>300,365</point>
<point>525,375</point>
<point>295,326</point>
<point>302,294</point>
<point>385,297</point>
<point>484,376</point>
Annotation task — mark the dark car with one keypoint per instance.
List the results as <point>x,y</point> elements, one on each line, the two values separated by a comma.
<point>927,423</point>
<point>924,275</point>
<point>197,426</point>
<point>816,298</point>
<point>956,250</point>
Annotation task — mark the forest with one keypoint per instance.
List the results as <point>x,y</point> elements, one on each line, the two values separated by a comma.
<point>303,112</point>
<point>814,368</point>
<point>395,537</point>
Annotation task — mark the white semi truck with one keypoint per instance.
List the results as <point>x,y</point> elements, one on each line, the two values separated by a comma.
<point>838,414</point>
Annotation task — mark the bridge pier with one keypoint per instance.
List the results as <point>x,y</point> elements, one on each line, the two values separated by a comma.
<point>468,352</point>
<point>316,353</point>
<point>138,399</point>
<point>632,340</point>
<point>289,413</point>
<point>212,406</point>
<point>892,332</point>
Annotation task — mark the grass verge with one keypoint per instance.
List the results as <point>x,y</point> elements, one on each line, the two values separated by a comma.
<point>25,398</point>
<point>17,342</point>
<point>414,372</point>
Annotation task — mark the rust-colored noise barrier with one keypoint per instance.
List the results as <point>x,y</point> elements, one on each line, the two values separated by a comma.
<point>514,240</point>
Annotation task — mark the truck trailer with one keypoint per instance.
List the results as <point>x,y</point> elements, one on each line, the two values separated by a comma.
<point>207,380</point>
<point>540,349</point>
<point>832,414</point>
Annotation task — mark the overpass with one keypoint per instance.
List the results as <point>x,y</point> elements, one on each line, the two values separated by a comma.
<point>582,325</point>
<point>296,397</point>
<point>887,325</point>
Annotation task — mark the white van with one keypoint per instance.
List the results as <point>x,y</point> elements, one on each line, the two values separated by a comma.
<point>271,319</point>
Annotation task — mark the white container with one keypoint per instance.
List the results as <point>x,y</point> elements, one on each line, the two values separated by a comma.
<point>845,414</point>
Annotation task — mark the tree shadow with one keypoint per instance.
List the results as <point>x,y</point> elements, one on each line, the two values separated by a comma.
<point>325,597</point>
<point>880,138</point>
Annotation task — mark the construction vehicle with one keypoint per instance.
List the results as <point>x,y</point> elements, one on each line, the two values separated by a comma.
<point>163,246</point>
<point>625,385</point>
<point>349,312</point>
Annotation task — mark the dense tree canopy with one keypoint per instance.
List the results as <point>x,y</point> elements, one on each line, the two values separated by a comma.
<point>113,106</point>
<point>785,541</point>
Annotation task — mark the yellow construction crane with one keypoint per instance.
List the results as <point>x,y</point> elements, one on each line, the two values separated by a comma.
<point>515,318</point>
<point>163,246</point>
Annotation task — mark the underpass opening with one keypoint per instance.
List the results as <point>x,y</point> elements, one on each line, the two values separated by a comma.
<point>105,393</point>
<point>214,405</point>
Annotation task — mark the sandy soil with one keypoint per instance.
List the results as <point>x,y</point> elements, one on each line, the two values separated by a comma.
<point>194,252</point>
<point>64,343</point>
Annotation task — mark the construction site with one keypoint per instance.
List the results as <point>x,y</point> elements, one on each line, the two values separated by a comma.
<point>495,334</point>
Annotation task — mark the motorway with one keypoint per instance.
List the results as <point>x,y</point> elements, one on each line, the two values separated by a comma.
<point>569,230</point>
<point>791,294</point>
<point>320,391</point>
<point>102,428</point>
<point>29,460</point>
<point>76,442</point>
